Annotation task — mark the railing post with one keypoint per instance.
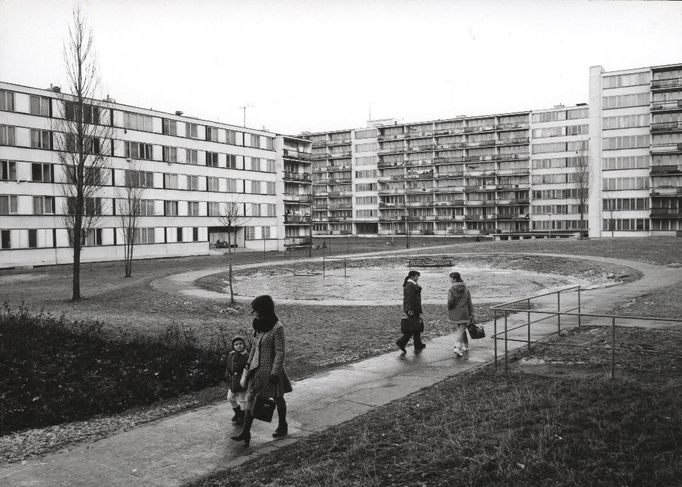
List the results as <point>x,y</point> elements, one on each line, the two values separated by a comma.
<point>613,347</point>
<point>506,349</point>
<point>579,309</point>
<point>558,309</point>
<point>495,336</point>
<point>528,304</point>
<point>323,262</point>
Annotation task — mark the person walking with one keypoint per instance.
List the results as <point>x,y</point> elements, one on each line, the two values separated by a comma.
<point>460,311</point>
<point>236,393</point>
<point>266,376</point>
<point>412,306</point>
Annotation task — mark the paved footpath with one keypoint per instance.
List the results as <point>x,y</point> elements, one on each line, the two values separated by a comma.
<point>172,451</point>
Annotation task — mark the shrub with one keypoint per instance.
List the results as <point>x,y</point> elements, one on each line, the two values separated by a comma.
<point>53,370</point>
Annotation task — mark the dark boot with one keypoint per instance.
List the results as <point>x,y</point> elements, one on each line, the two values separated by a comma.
<point>282,426</point>
<point>240,419</point>
<point>245,435</point>
<point>418,344</point>
<point>238,413</point>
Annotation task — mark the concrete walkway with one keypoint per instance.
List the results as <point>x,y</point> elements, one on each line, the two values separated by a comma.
<point>177,449</point>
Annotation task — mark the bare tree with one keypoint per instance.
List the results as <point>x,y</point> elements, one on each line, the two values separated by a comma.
<point>610,212</point>
<point>82,140</point>
<point>231,218</point>
<point>129,211</point>
<point>582,180</point>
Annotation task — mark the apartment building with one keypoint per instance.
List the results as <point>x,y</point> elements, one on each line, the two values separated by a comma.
<point>297,194</point>
<point>560,170</point>
<point>636,151</point>
<point>192,171</point>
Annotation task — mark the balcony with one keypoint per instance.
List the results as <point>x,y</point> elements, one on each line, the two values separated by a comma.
<point>334,142</point>
<point>667,84</point>
<point>297,241</point>
<point>674,148</point>
<point>666,106</point>
<point>666,213</point>
<point>665,170</point>
<point>449,203</point>
<point>296,176</point>
<point>293,154</point>
<point>448,160</point>
<point>666,191</point>
<point>297,219</point>
<point>515,141</point>
<point>300,198</point>
<point>339,194</point>
<point>339,155</point>
<point>663,127</point>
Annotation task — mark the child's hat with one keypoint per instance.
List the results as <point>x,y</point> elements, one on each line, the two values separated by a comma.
<point>238,338</point>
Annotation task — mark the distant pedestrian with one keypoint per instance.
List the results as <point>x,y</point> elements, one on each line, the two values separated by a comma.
<point>460,312</point>
<point>236,367</point>
<point>266,375</point>
<point>412,306</point>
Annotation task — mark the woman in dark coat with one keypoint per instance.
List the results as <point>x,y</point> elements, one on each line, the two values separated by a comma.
<point>412,306</point>
<point>266,376</point>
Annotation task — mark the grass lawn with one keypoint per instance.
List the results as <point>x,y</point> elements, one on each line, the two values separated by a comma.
<point>317,337</point>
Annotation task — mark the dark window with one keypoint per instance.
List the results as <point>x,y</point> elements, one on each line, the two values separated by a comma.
<point>195,234</point>
<point>32,239</point>
<point>6,244</point>
<point>179,234</point>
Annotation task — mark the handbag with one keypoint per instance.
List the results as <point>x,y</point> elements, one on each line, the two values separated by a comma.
<point>411,325</point>
<point>263,408</point>
<point>475,331</point>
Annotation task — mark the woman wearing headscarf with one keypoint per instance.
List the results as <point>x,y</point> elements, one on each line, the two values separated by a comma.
<point>412,306</point>
<point>265,376</point>
<point>460,311</point>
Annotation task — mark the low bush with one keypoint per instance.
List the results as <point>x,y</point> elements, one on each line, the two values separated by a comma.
<point>53,370</point>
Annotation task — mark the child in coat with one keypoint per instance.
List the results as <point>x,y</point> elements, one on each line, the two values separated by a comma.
<point>236,393</point>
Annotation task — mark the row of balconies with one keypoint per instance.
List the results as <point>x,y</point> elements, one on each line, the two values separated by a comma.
<point>453,130</point>
<point>457,145</point>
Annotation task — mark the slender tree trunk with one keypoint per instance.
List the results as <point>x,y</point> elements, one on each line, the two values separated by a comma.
<point>76,292</point>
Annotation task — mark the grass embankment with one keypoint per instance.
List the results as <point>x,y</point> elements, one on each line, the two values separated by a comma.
<point>562,427</point>
<point>54,371</point>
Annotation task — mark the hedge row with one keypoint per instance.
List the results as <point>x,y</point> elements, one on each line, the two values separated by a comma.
<point>53,370</point>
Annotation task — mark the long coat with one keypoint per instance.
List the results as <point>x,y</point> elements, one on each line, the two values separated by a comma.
<point>266,358</point>
<point>460,308</point>
<point>233,371</point>
<point>412,298</point>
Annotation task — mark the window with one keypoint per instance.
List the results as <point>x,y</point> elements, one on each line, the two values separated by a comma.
<point>139,150</point>
<point>191,130</point>
<point>192,156</point>
<point>93,237</point>
<point>195,234</point>
<point>193,183</point>
<point>90,113</point>
<point>269,165</point>
<point>170,208</point>
<point>621,101</point>
<point>137,121</point>
<point>213,208</point>
<point>231,137</point>
<point>255,163</point>
<point>91,145</point>
<point>266,232</point>
<point>271,209</point>
<point>231,161</point>
<point>231,185</point>
<point>212,159</point>
<point>170,154</point>
<point>625,142</point>
<point>147,208</point>
<point>255,209</point>
<point>254,140</point>
<point>42,172</point>
<point>8,204</point>
<point>179,234</point>
<point>249,233</point>
<point>621,80</point>
<point>6,100</point>
<point>40,105</point>
<point>255,187</point>
<point>43,205</point>
<point>139,179</point>
<point>5,239</point>
<point>40,139</point>
<point>32,239</point>
<point>371,147</point>
<point>6,135</point>
<point>193,208</point>
<point>270,143</point>
<point>549,116</point>
<point>169,127</point>
<point>8,170</point>
<point>144,235</point>
<point>170,181</point>
<point>93,206</point>
<point>212,184</point>
<point>211,134</point>
<point>270,187</point>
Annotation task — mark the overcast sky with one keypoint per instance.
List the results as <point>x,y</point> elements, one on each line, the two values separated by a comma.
<point>324,65</point>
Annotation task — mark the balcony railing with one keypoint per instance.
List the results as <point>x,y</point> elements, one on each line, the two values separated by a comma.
<point>665,170</point>
<point>666,126</point>
<point>659,106</point>
<point>301,198</point>
<point>293,154</point>
<point>667,83</point>
<point>299,219</point>
<point>296,176</point>
<point>666,213</point>
<point>666,148</point>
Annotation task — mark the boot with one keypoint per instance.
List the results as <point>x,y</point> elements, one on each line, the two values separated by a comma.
<point>282,426</point>
<point>237,414</point>
<point>240,419</point>
<point>245,435</point>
